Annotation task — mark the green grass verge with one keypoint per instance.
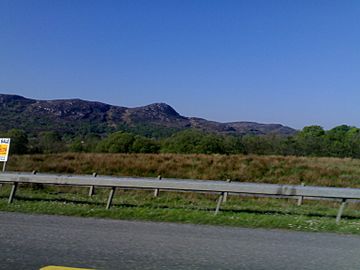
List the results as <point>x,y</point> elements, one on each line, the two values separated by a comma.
<point>317,216</point>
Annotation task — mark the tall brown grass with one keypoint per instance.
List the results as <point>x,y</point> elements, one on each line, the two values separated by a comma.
<point>246,168</point>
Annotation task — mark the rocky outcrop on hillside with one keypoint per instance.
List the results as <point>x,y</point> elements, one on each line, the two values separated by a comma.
<point>80,116</point>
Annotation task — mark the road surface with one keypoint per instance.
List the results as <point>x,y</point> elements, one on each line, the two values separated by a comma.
<point>34,241</point>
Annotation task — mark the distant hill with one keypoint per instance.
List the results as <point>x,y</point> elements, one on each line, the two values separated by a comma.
<point>76,116</point>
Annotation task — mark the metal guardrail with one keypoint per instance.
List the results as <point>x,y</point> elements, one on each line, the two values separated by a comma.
<point>221,187</point>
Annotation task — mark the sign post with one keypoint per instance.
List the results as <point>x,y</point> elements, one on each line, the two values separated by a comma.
<point>4,151</point>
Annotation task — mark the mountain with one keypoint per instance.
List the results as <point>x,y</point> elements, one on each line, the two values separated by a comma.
<point>76,116</point>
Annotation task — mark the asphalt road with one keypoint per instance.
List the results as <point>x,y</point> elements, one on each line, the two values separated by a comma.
<point>34,241</point>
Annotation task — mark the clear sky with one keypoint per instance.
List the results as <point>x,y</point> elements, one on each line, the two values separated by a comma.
<point>291,62</point>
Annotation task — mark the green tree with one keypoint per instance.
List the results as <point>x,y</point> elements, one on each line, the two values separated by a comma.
<point>144,145</point>
<point>310,141</point>
<point>118,142</point>
<point>336,141</point>
<point>352,140</point>
<point>19,141</point>
<point>183,142</point>
<point>211,144</point>
<point>233,145</point>
<point>85,144</point>
<point>51,142</point>
<point>256,144</point>
<point>288,147</point>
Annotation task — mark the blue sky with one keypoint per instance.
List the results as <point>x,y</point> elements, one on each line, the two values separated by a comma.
<point>291,62</point>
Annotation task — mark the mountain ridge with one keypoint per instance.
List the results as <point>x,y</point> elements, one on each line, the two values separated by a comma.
<point>77,115</point>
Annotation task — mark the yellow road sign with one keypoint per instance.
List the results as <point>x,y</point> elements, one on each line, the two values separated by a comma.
<point>53,267</point>
<point>4,149</point>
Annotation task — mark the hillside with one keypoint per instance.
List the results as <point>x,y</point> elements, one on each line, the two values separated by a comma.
<point>76,116</point>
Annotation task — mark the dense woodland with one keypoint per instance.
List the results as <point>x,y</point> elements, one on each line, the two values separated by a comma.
<point>341,141</point>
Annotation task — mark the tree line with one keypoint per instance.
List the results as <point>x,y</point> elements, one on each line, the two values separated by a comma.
<point>341,141</point>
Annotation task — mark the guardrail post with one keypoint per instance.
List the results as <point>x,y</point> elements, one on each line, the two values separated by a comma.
<point>301,198</point>
<point>36,185</point>
<point>156,191</point>
<point>4,166</point>
<point>341,210</point>
<point>111,196</point>
<point>92,188</point>
<point>220,200</point>
<point>12,192</point>
<point>226,193</point>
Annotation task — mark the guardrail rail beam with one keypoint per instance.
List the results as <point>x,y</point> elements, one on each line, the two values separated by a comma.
<point>187,185</point>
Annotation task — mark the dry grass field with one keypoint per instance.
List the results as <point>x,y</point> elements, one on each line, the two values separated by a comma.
<point>247,168</point>
<point>189,207</point>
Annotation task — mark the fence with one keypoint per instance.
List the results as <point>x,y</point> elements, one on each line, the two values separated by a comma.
<point>221,187</point>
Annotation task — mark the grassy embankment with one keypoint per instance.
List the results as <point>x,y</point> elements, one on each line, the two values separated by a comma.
<point>193,208</point>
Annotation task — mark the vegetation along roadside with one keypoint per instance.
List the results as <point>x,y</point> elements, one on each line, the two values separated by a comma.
<point>187,207</point>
